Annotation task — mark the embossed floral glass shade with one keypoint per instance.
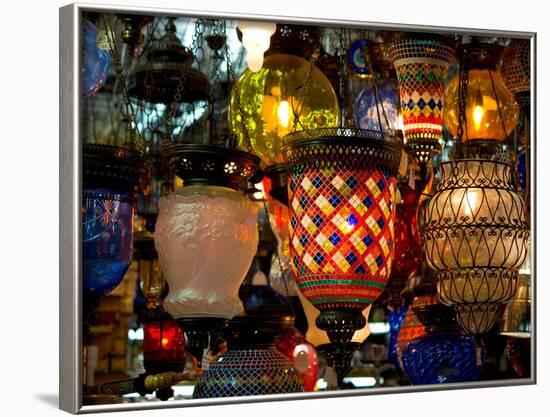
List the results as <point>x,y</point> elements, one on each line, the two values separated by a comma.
<point>206,238</point>
<point>107,223</point>
<point>475,236</point>
<point>270,98</point>
<point>422,63</point>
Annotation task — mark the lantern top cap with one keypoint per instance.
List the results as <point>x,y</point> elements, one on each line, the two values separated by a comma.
<point>343,147</point>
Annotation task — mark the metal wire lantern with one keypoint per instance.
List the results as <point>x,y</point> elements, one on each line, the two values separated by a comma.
<point>341,201</point>
<point>422,62</point>
<point>475,237</point>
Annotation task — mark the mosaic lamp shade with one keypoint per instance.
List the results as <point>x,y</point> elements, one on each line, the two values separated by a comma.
<point>491,112</point>
<point>264,104</point>
<point>475,236</point>
<point>422,63</point>
<point>342,211</point>
<point>252,365</point>
<point>515,68</point>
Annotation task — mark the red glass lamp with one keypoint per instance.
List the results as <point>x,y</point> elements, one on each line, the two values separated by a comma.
<point>407,243</point>
<point>163,342</point>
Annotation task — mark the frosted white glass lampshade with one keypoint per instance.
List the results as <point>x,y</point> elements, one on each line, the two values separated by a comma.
<point>206,237</point>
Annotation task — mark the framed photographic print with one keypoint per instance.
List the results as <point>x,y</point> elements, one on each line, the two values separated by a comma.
<point>259,208</point>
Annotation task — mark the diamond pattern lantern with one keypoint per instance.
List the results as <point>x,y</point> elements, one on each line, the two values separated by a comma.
<point>422,63</point>
<point>341,201</point>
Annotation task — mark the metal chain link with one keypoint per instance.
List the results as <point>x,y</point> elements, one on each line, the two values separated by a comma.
<point>232,79</point>
<point>280,262</point>
<point>111,39</point>
<point>169,119</point>
<point>198,40</point>
<point>297,113</point>
<point>367,56</point>
<point>463,81</point>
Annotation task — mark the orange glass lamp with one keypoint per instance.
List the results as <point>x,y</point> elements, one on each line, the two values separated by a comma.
<point>491,112</point>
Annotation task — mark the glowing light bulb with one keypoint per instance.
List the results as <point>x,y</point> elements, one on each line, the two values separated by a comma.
<point>477,116</point>
<point>256,36</point>
<point>283,114</point>
<point>164,342</point>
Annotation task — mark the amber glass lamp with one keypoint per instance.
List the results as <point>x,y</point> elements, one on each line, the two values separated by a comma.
<point>491,112</point>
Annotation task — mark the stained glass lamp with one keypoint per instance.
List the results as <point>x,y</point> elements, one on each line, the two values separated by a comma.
<point>302,355</point>
<point>515,67</point>
<point>342,212</point>
<point>407,244</point>
<point>422,62</point>
<point>410,329</point>
<point>475,236</point>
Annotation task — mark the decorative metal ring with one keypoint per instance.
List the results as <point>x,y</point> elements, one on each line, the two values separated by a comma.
<point>212,165</point>
<point>112,167</point>
<point>334,147</point>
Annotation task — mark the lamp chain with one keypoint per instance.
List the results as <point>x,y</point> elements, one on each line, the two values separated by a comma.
<point>278,256</point>
<point>121,77</point>
<point>305,87</point>
<point>367,56</point>
<point>463,81</point>
<point>232,80</point>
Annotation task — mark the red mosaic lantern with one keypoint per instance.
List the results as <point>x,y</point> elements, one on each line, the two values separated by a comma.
<point>422,62</point>
<point>342,211</point>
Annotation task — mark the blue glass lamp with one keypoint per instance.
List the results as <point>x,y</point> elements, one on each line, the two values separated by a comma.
<point>445,353</point>
<point>110,175</point>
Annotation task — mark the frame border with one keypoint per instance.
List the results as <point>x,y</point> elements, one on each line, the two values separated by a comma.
<point>70,295</point>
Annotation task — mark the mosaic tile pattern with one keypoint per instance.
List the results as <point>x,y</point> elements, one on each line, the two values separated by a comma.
<point>239,373</point>
<point>422,67</point>
<point>341,235</point>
